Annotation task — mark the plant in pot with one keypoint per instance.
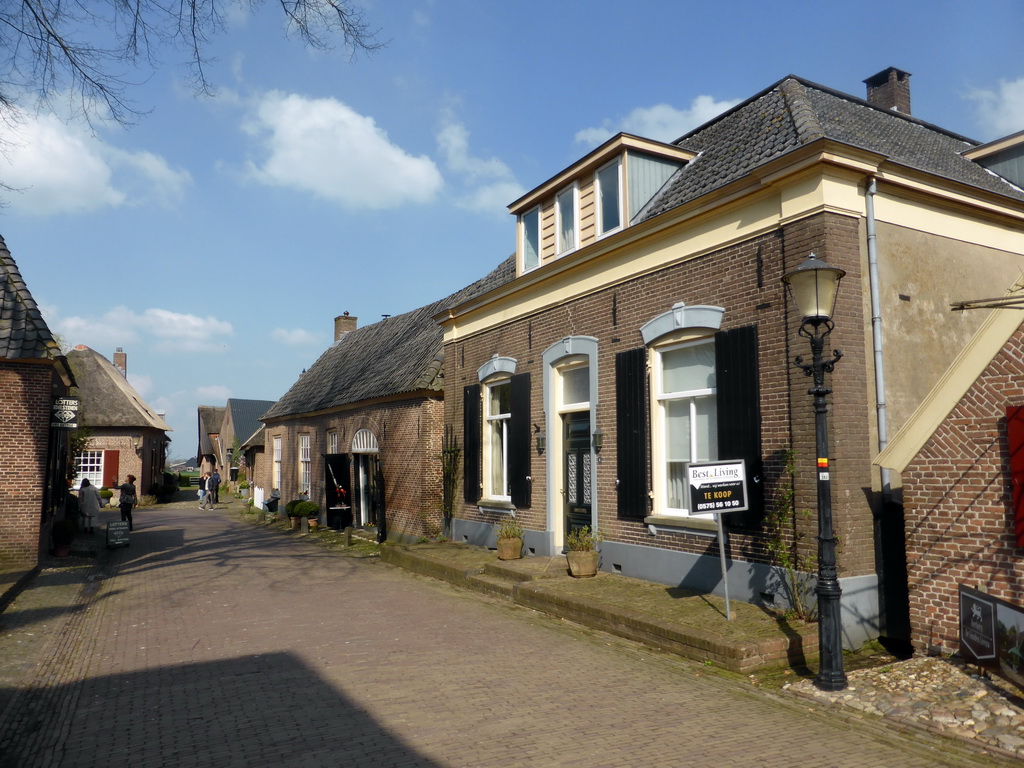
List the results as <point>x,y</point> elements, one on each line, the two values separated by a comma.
<point>583,556</point>
<point>243,489</point>
<point>510,539</point>
<point>63,533</point>
<point>291,509</point>
<point>106,495</point>
<point>311,511</point>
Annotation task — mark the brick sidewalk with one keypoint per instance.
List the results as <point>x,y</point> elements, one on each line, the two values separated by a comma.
<point>215,643</point>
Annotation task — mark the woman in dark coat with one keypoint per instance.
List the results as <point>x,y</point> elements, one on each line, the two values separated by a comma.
<point>129,499</point>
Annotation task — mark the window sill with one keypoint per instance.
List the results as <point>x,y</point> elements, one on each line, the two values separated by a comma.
<point>691,523</point>
<point>502,506</point>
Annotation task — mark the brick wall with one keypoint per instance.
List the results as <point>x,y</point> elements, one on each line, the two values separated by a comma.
<point>24,435</point>
<point>957,506</point>
<point>745,279</point>
<point>409,436</point>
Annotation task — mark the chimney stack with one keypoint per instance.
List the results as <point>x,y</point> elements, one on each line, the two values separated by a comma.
<point>890,89</point>
<point>121,362</point>
<point>343,324</point>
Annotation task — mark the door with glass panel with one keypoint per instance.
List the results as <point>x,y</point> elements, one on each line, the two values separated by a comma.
<point>576,439</point>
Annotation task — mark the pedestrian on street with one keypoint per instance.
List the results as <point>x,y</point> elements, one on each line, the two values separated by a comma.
<point>215,486</point>
<point>128,500</point>
<point>205,494</point>
<point>89,503</point>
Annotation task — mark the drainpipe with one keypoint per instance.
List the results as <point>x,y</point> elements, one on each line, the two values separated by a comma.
<point>876,333</point>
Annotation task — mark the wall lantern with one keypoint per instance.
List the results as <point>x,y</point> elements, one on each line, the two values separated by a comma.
<point>136,442</point>
<point>542,439</point>
<point>597,439</point>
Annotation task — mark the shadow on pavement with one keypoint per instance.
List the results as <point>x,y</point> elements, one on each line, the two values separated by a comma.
<point>263,710</point>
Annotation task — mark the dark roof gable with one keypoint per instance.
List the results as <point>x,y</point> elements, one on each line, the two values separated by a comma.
<point>395,356</point>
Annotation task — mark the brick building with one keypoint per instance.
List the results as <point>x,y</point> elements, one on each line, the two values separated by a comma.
<point>360,432</point>
<point>33,456</point>
<point>208,453</point>
<point>127,436</point>
<point>961,457</point>
<point>646,326</point>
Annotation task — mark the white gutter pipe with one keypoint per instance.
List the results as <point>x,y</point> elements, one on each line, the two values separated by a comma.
<point>876,332</point>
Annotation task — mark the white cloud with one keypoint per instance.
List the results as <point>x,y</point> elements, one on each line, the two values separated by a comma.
<point>213,394</point>
<point>490,184</point>
<point>324,147</point>
<point>166,331</point>
<point>295,337</point>
<point>63,168</point>
<point>662,122</point>
<point>141,384</point>
<point>1000,110</point>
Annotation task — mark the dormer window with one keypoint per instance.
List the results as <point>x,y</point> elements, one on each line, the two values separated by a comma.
<point>609,198</point>
<point>566,220</point>
<point>592,199</point>
<point>530,233</point>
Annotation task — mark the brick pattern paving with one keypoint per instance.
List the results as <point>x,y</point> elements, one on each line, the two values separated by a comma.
<point>215,643</point>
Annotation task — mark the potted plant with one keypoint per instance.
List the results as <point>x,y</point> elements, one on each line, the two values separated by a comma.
<point>105,495</point>
<point>510,539</point>
<point>583,556</point>
<point>291,509</point>
<point>243,489</point>
<point>311,511</point>
<point>63,533</point>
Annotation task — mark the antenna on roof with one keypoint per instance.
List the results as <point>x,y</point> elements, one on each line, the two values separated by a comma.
<point>385,316</point>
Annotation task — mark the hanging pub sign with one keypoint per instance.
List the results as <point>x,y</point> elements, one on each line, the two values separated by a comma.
<point>717,486</point>
<point>64,414</point>
<point>992,634</point>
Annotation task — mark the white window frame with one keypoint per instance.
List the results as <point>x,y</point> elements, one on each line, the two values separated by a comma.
<point>565,367</point>
<point>524,233</point>
<point>277,463</point>
<point>659,428</point>
<point>305,464</point>
<point>496,428</point>
<point>332,442</point>
<point>599,198</point>
<point>562,248</point>
<point>89,465</point>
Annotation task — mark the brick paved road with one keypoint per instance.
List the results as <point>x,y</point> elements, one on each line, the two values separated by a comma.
<point>215,643</point>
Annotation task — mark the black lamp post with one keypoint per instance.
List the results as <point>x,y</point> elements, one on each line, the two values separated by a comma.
<point>813,286</point>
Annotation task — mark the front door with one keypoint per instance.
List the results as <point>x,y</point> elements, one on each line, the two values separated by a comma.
<point>577,470</point>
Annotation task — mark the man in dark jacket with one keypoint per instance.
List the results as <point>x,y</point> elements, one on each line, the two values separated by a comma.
<point>215,486</point>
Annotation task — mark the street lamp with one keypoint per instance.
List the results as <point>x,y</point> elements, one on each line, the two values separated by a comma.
<point>813,286</point>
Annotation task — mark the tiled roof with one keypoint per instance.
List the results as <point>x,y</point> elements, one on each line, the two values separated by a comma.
<point>210,419</point>
<point>107,399</point>
<point>23,332</point>
<point>795,112</point>
<point>245,416</point>
<point>394,356</point>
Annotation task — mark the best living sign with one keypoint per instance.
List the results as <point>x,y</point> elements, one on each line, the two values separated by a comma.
<point>717,486</point>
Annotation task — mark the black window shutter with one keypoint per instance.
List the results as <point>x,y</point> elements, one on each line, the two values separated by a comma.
<point>631,431</point>
<point>739,415</point>
<point>471,436</point>
<point>519,440</point>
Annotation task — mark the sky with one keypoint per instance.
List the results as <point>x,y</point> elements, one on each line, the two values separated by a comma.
<point>216,238</point>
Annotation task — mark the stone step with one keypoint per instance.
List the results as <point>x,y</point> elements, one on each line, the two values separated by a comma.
<point>495,586</point>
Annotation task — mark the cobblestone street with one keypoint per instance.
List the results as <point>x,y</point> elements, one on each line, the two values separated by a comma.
<point>211,642</point>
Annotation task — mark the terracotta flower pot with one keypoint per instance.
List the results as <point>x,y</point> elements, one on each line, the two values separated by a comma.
<point>296,522</point>
<point>510,549</point>
<point>583,564</point>
<point>314,524</point>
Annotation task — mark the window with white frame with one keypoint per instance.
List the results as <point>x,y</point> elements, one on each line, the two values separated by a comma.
<point>277,463</point>
<point>497,412</point>
<point>89,465</point>
<point>531,239</point>
<point>609,198</point>
<point>305,465</point>
<point>332,442</point>
<point>685,416</point>
<point>566,224</point>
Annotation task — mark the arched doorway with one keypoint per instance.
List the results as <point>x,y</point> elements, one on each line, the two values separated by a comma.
<point>368,500</point>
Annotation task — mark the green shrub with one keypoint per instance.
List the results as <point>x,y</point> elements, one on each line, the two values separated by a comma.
<point>289,508</point>
<point>308,509</point>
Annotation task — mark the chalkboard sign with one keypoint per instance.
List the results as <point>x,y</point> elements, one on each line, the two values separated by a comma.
<point>117,534</point>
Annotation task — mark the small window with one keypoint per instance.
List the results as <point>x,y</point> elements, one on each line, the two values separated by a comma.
<point>332,442</point>
<point>305,466</point>
<point>609,198</point>
<point>687,418</point>
<point>277,462</point>
<point>565,216</point>
<point>498,412</point>
<point>89,465</point>
<point>531,239</point>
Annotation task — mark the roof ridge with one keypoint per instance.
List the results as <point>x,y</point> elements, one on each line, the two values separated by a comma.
<point>805,119</point>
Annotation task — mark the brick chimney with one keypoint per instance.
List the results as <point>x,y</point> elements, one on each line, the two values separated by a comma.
<point>121,362</point>
<point>343,324</point>
<point>890,89</point>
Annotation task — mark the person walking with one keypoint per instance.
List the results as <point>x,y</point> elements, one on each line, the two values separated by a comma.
<point>215,486</point>
<point>128,500</point>
<point>89,503</point>
<point>207,495</point>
